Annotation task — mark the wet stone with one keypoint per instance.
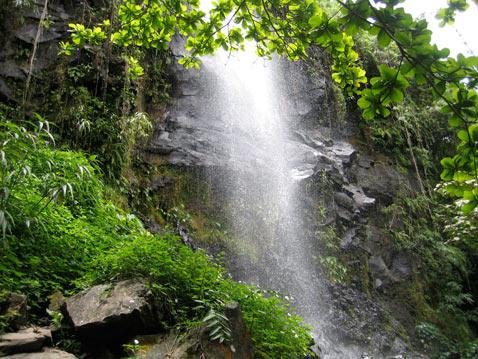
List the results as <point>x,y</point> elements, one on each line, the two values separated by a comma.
<point>24,341</point>
<point>46,353</point>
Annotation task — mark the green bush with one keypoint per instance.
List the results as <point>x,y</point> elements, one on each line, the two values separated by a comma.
<point>52,213</point>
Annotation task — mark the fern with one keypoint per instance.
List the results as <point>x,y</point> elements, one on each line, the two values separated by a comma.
<point>218,326</point>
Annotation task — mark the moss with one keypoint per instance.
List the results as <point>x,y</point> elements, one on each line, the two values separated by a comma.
<point>365,276</point>
<point>412,295</point>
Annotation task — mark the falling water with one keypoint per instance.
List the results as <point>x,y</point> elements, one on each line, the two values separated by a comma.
<point>262,202</point>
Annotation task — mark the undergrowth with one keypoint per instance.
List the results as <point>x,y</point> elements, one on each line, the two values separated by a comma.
<point>60,233</point>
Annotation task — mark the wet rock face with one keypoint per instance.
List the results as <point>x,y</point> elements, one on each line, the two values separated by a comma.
<point>112,312</point>
<point>189,134</point>
<point>379,180</point>
<point>309,96</point>
<point>241,340</point>
<point>380,271</point>
<point>20,30</point>
<point>195,135</point>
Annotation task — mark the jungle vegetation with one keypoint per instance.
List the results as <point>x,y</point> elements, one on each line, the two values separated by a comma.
<point>60,179</point>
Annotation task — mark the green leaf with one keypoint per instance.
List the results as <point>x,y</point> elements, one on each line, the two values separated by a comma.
<point>448,162</point>
<point>315,21</point>
<point>455,121</point>
<point>363,103</point>
<point>383,39</point>
<point>463,135</point>
<point>396,95</point>
<point>368,114</point>
<point>469,207</point>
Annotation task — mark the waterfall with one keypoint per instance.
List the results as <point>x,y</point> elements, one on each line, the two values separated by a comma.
<point>262,199</point>
<point>262,184</point>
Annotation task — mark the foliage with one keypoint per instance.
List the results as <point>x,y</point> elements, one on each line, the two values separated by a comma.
<point>7,315</point>
<point>106,126</point>
<point>447,15</point>
<point>442,237</point>
<point>55,218</point>
<point>452,81</point>
<point>440,347</point>
<point>91,99</point>
<point>336,271</point>
<point>286,27</point>
<point>28,164</point>
<point>460,228</point>
<point>217,324</point>
<point>445,266</point>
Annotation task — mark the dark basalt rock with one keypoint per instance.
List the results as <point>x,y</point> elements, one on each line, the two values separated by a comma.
<point>380,180</point>
<point>402,266</point>
<point>20,34</point>
<point>348,238</point>
<point>361,201</point>
<point>28,34</point>
<point>241,340</point>
<point>5,90</point>
<point>380,271</point>
<point>12,70</point>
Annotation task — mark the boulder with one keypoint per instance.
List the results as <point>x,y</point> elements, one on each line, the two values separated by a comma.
<point>348,238</point>
<point>14,308</point>
<point>24,341</point>
<point>111,312</point>
<point>380,180</point>
<point>377,241</point>
<point>402,266</point>
<point>158,183</point>
<point>196,343</point>
<point>47,353</point>
<point>343,200</point>
<point>343,151</point>
<point>11,69</point>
